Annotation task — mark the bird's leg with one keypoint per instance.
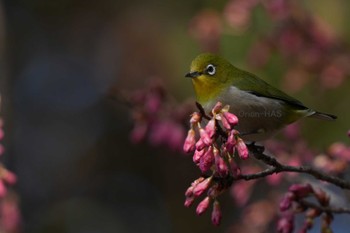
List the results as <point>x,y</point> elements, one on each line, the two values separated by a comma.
<point>202,111</point>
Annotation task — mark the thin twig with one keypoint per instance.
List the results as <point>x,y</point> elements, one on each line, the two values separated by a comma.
<point>277,167</point>
<point>326,209</point>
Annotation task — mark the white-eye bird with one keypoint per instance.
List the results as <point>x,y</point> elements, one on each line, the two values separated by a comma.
<point>262,109</point>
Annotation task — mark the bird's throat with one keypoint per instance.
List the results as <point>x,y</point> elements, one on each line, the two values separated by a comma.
<point>206,90</point>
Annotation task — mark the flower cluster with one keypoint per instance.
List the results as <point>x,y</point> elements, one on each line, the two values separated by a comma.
<point>213,150</point>
<point>296,195</point>
<point>157,120</point>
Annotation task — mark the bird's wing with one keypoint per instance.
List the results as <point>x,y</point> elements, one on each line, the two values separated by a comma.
<point>250,83</point>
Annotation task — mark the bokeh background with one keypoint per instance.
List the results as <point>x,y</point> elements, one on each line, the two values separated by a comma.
<point>68,140</point>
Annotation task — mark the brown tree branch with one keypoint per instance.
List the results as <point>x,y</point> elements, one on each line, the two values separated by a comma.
<point>277,167</point>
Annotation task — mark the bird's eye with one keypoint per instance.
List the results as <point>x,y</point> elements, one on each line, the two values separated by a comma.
<point>211,69</point>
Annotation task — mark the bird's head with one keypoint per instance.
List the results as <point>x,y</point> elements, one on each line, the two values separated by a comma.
<point>210,76</point>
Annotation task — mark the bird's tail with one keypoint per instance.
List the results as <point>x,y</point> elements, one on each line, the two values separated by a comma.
<point>323,116</point>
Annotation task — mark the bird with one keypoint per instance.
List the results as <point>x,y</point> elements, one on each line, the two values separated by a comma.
<point>262,109</point>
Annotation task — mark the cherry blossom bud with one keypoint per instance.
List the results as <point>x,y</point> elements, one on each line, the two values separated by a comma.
<point>242,149</point>
<point>210,128</point>
<point>225,123</point>
<point>203,206</point>
<point>286,201</point>
<point>206,160</point>
<point>190,141</point>
<point>200,144</point>
<point>301,190</point>
<point>189,191</point>
<point>198,155</point>
<point>231,118</point>
<point>231,143</point>
<point>220,163</point>
<point>217,108</point>
<point>202,186</point>
<point>189,201</point>
<point>195,118</point>
<point>205,137</point>
<point>286,224</point>
<point>216,214</point>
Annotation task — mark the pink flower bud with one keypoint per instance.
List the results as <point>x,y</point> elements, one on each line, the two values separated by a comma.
<point>216,214</point>
<point>189,191</point>
<point>301,190</point>
<point>231,143</point>
<point>231,118</point>
<point>200,144</point>
<point>217,108</point>
<point>286,201</point>
<point>202,186</point>
<point>205,137</point>
<point>210,128</point>
<point>206,160</point>
<point>322,197</point>
<point>242,149</point>
<point>286,224</point>
<point>198,155</point>
<point>190,141</point>
<point>189,201</point>
<point>220,163</point>
<point>203,206</point>
<point>225,123</point>
<point>195,118</point>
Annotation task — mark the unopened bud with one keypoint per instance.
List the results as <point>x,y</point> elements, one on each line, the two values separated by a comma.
<point>216,214</point>
<point>203,206</point>
<point>242,149</point>
<point>190,141</point>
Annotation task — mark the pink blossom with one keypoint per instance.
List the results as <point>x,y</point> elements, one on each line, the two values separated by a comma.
<point>231,118</point>
<point>220,163</point>
<point>231,143</point>
<point>286,201</point>
<point>217,108</point>
<point>225,123</point>
<point>200,145</point>
<point>241,191</point>
<point>189,201</point>
<point>176,139</point>
<point>153,103</point>
<point>190,141</point>
<point>195,118</point>
<point>198,155</point>
<point>210,128</point>
<point>242,149</point>
<point>203,206</point>
<point>286,224</point>
<point>202,186</point>
<point>205,137</point>
<point>301,190</point>
<point>206,160</point>
<point>216,214</point>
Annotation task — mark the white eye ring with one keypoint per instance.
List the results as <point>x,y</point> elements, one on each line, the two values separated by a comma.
<point>211,69</point>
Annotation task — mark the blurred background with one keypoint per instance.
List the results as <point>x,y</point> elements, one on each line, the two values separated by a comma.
<point>68,140</point>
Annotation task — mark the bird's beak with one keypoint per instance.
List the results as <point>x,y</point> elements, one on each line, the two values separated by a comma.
<point>193,74</point>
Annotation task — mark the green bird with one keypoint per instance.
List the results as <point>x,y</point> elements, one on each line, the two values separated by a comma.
<point>262,109</point>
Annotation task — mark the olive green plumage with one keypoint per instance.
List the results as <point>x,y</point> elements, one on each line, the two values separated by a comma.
<point>262,109</point>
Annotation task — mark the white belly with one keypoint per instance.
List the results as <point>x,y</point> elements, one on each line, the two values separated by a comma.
<point>259,117</point>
